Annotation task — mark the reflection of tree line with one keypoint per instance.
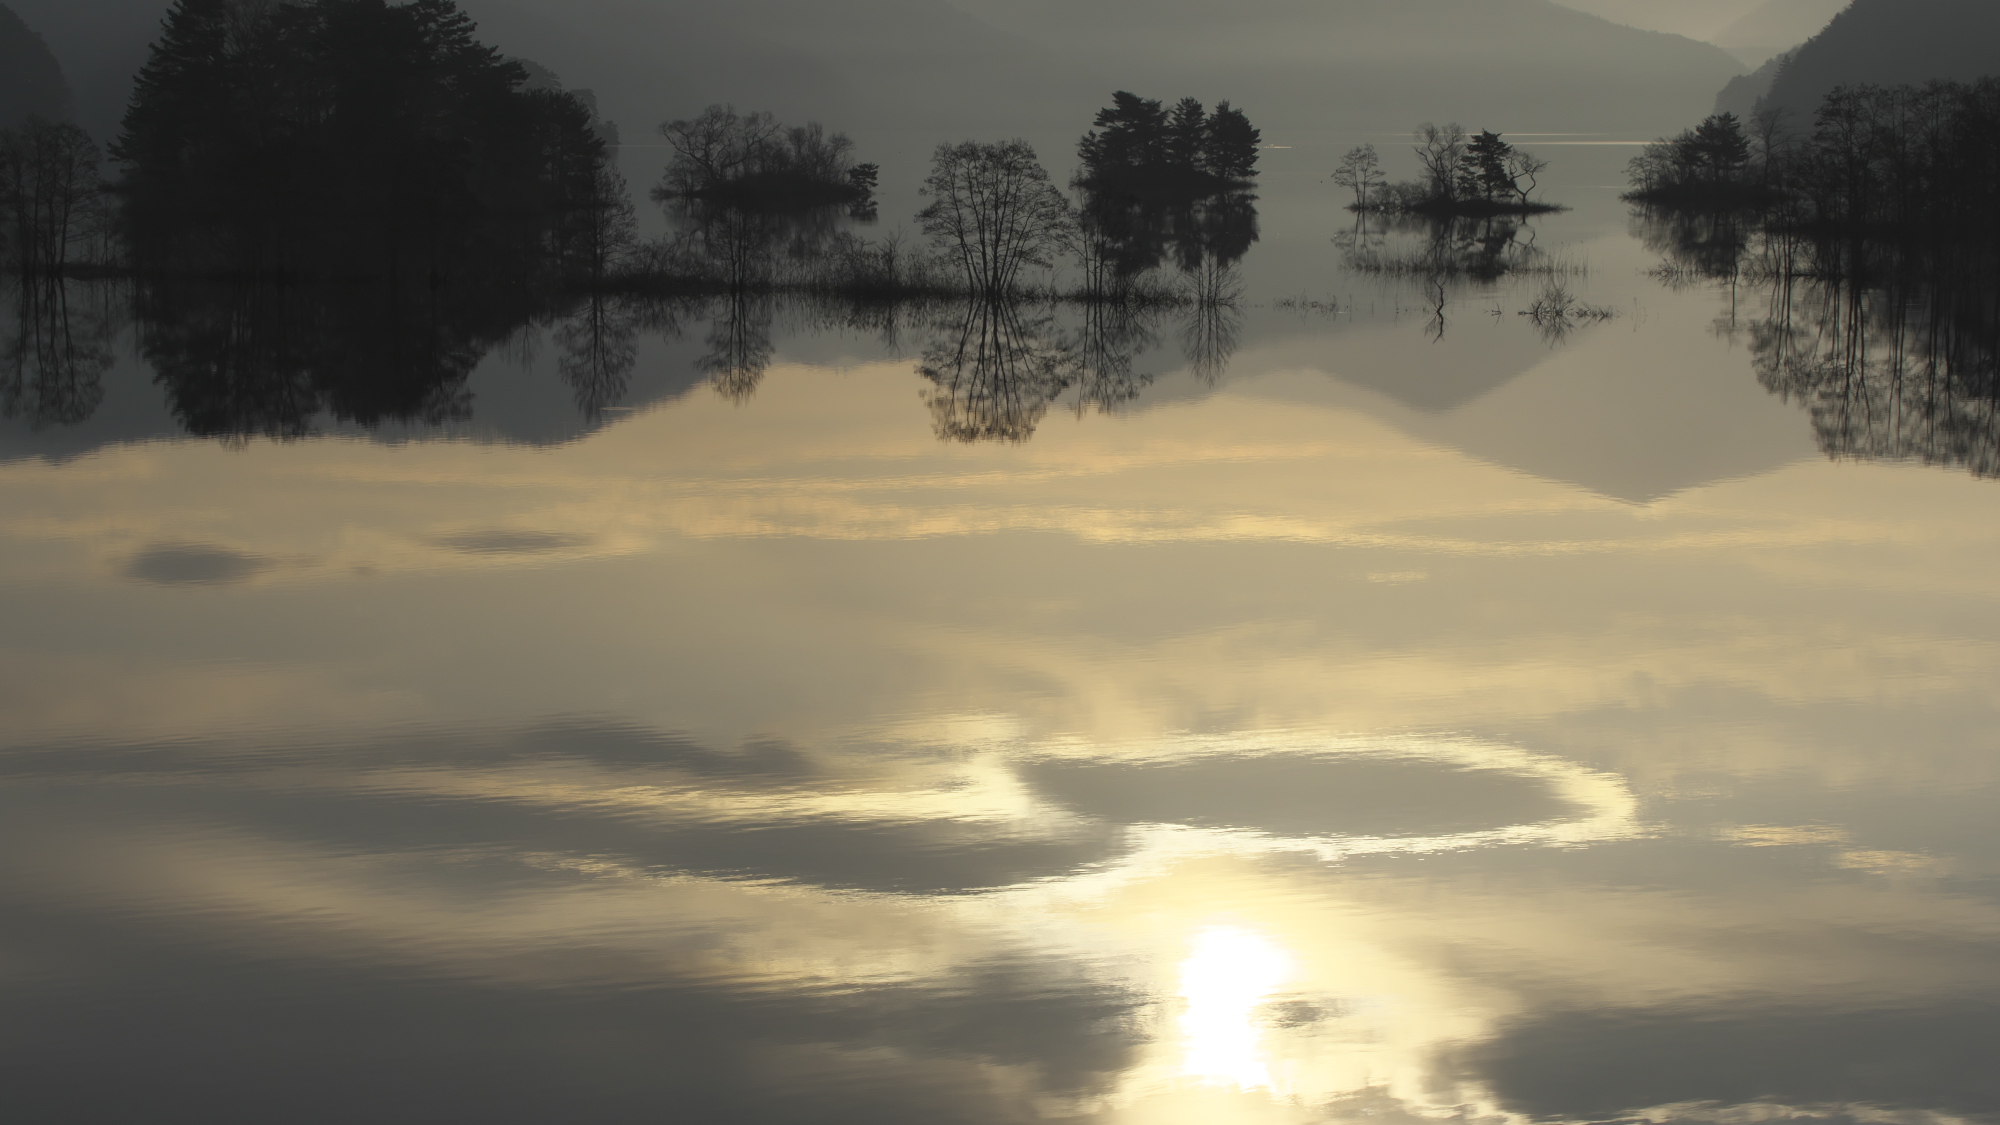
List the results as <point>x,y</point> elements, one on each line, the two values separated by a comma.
<point>1891,345</point>
<point>54,354</point>
<point>994,367</point>
<point>1444,248</point>
<point>336,208</point>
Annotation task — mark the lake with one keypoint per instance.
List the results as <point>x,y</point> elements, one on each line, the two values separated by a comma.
<point>1356,698</point>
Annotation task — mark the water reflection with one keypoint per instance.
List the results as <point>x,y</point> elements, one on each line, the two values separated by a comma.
<point>1892,347</point>
<point>56,351</point>
<point>1445,249</point>
<point>994,368</point>
<point>599,349</point>
<point>270,360</point>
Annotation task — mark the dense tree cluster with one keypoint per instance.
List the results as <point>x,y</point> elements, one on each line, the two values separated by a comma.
<point>1706,162</point>
<point>1137,144</point>
<point>753,160</point>
<point>1910,159</point>
<point>1462,175</point>
<point>356,138</point>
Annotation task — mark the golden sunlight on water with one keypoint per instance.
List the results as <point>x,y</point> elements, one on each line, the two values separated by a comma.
<point>1272,754</point>
<point>1228,974</point>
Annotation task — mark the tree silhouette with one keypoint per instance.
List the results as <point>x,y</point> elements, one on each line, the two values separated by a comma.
<point>1136,146</point>
<point>52,204</point>
<point>355,137</point>
<point>1360,171</point>
<point>994,213</point>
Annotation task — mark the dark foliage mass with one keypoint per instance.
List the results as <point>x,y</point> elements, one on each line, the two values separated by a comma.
<point>351,138</point>
<point>1138,146</point>
<point>1890,342</point>
<point>1910,160</point>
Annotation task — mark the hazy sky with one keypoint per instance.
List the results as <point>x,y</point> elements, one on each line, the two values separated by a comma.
<point>1030,67</point>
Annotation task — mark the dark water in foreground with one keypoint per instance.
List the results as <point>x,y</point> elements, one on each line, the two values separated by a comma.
<point>1366,716</point>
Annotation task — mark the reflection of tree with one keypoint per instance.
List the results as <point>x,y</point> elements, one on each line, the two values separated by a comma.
<point>1126,235</point>
<point>1214,324</point>
<point>1896,358</point>
<point>1892,346</point>
<point>249,360</point>
<point>739,344</point>
<point>1438,247</point>
<point>740,247</point>
<point>1696,245</point>
<point>598,353</point>
<point>995,370</point>
<point>1110,338</point>
<point>52,369</point>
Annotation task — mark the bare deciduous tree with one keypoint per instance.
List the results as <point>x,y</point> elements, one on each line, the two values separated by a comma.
<point>51,197</point>
<point>994,212</point>
<point>1360,171</point>
<point>1440,149</point>
<point>1524,170</point>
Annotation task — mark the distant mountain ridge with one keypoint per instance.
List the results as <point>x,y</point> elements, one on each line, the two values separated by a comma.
<point>1777,25</point>
<point>1037,67</point>
<point>31,81</point>
<point>1892,42</point>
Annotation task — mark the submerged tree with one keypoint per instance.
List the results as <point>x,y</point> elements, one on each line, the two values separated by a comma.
<point>994,213</point>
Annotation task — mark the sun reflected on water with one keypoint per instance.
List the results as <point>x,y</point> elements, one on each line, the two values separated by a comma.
<point>1228,974</point>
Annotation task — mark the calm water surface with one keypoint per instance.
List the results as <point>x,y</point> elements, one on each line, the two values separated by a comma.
<point>1369,715</point>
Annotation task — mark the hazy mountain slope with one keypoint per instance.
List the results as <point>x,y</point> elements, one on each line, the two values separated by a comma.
<point>935,69</point>
<point>836,60</point>
<point>1331,64</point>
<point>101,45</point>
<point>1891,42</point>
<point>31,81</point>
<point>1778,25</point>
<point>1741,96</point>
<point>1696,19</point>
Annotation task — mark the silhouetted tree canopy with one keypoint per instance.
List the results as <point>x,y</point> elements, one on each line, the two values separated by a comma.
<point>994,213</point>
<point>1911,160</point>
<point>353,137</point>
<point>754,161</point>
<point>1138,146</point>
<point>1477,176</point>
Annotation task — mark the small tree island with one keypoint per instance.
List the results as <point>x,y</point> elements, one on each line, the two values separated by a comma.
<point>1137,147</point>
<point>1464,176</point>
